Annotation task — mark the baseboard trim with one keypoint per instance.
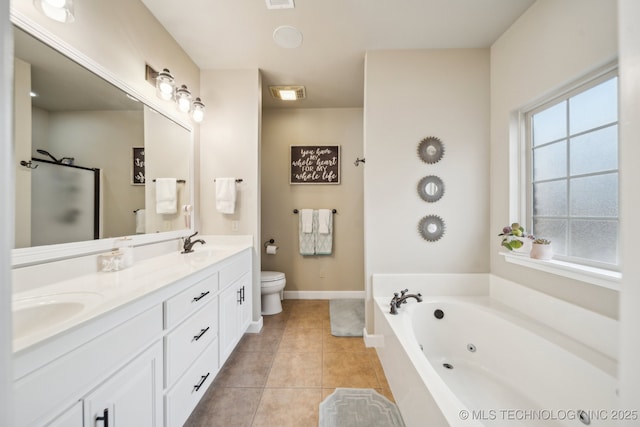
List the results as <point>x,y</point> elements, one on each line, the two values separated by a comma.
<point>323,294</point>
<point>372,340</point>
<point>255,326</point>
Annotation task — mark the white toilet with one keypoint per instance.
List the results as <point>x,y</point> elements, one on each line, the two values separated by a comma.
<point>271,287</point>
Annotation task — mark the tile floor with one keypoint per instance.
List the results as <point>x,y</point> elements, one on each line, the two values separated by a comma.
<point>277,378</point>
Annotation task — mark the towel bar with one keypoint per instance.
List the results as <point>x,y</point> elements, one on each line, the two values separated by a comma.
<point>179,181</point>
<point>237,180</point>
<point>295,211</point>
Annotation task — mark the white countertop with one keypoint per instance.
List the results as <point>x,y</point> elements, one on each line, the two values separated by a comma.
<point>105,291</point>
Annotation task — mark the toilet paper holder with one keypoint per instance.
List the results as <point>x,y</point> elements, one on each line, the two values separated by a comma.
<point>269,247</point>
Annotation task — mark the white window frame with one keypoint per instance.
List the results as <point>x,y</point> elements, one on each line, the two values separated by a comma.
<point>608,276</point>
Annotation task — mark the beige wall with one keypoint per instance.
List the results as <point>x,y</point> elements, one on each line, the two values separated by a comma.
<point>342,270</point>
<point>166,156</point>
<point>230,147</point>
<point>22,151</point>
<point>410,95</point>
<point>553,43</point>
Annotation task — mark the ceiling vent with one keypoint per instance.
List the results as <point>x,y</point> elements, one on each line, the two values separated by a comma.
<point>288,93</point>
<point>280,4</point>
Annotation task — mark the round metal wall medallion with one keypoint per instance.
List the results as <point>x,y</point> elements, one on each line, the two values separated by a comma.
<point>431,228</point>
<point>431,188</point>
<point>430,150</point>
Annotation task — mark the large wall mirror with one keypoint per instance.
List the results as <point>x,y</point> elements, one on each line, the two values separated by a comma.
<point>88,155</point>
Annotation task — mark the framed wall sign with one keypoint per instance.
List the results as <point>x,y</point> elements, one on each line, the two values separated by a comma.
<point>315,164</point>
<point>137,166</point>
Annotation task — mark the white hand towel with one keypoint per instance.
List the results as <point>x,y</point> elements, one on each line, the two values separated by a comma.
<point>306,219</point>
<point>324,221</point>
<point>166,196</point>
<point>141,221</point>
<point>226,195</point>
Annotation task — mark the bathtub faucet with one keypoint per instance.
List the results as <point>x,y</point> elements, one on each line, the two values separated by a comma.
<point>188,243</point>
<point>401,298</point>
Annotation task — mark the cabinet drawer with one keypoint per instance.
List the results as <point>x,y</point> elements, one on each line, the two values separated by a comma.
<point>189,339</point>
<point>187,392</point>
<point>188,301</point>
<point>233,271</point>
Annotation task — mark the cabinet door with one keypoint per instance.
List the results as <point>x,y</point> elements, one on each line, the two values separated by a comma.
<point>130,398</point>
<point>229,302</point>
<point>245,314</point>
<point>72,417</point>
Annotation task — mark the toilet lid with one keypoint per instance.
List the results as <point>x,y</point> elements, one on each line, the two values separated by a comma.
<point>271,276</point>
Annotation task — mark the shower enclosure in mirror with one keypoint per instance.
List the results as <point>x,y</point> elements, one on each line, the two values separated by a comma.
<point>67,120</point>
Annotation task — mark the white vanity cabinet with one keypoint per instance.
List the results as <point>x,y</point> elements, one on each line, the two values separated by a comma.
<point>109,371</point>
<point>143,362</point>
<point>235,304</point>
<point>132,397</point>
<point>191,347</point>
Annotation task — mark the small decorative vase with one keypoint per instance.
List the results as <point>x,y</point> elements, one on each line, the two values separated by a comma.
<point>540,251</point>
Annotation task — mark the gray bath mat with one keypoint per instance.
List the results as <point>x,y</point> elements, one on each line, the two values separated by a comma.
<point>358,407</point>
<point>347,317</point>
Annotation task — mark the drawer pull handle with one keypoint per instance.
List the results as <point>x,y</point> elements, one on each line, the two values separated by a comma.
<point>242,294</point>
<point>202,332</point>
<point>202,295</point>
<point>104,418</point>
<point>202,380</point>
<point>239,300</point>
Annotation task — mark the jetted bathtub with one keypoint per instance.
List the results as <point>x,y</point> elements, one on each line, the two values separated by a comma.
<point>471,361</point>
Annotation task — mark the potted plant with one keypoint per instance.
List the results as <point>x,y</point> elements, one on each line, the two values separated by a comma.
<point>516,239</point>
<point>541,249</point>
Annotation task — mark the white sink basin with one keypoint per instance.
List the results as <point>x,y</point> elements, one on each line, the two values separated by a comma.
<point>32,314</point>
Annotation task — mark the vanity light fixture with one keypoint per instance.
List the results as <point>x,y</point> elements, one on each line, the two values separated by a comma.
<point>58,10</point>
<point>197,110</point>
<point>183,99</point>
<point>165,89</point>
<point>165,84</point>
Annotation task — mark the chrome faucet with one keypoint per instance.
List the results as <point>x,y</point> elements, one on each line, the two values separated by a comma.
<point>401,298</point>
<point>188,244</point>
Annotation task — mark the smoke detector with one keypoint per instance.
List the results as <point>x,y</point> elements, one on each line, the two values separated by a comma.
<point>288,93</point>
<point>280,4</point>
<point>287,37</point>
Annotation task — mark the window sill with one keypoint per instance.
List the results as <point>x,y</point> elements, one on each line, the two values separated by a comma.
<point>596,276</point>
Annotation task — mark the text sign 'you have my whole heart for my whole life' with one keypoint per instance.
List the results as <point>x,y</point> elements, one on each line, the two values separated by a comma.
<point>315,164</point>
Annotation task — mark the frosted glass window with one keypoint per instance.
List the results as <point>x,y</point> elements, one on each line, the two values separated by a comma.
<point>595,240</point>
<point>572,153</point>
<point>550,124</point>
<point>550,198</point>
<point>550,161</point>
<point>555,230</point>
<point>594,107</point>
<point>595,151</point>
<point>595,196</point>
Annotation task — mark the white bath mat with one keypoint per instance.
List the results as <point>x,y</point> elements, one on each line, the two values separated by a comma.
<point>347,317</point>
<point>358,407</point>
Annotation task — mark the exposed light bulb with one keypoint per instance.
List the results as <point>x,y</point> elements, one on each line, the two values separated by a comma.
<point>197,111</point>
<point>183,99</point>
<point>58,10</point>
<point>165,84</point>
<point>55,3</point>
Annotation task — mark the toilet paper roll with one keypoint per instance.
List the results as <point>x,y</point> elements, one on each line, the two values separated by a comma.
<point>272,249</point>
